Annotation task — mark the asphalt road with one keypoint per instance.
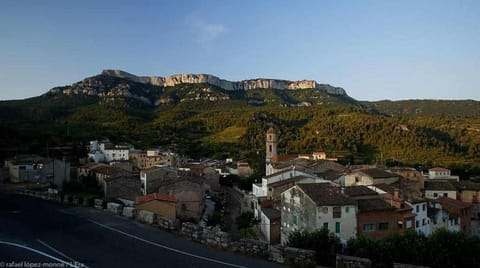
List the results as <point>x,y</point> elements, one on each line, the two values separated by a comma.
<point>38,233</point>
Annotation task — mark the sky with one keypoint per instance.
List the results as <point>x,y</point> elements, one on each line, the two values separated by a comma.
<point>375,50</point>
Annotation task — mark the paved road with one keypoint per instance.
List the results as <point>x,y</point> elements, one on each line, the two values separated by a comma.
<point>40,232</point>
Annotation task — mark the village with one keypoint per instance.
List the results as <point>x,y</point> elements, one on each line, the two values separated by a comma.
<point>305,192</point>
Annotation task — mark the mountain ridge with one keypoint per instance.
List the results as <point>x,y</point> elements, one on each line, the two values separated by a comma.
<point>248,84</point>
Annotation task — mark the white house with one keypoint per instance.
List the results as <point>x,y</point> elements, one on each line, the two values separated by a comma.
<point>312,206</point>
<point>441,173</point>
<point>422,222</point>
<point>106,151</point>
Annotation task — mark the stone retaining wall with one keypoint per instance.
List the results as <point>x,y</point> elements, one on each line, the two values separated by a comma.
<point>209,235</point>
<point>343,261</point>
<point>115,208</point>
<point>146,216</point>
<point>297,257</point>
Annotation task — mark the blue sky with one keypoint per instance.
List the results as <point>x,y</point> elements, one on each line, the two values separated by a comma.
<point>373,49</point>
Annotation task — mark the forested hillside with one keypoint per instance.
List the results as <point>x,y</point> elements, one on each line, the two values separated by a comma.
<point>203,120</point>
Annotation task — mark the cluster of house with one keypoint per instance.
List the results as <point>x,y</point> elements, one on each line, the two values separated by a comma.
<point>302,193</point>
<point>37,169</point>
<point>156,180</point>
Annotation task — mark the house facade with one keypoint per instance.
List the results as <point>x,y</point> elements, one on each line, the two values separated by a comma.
<point>312,206</point>
<point>161,204</point>
<point>153,178</point>
<point>270,224</point>
<point>436,188</point>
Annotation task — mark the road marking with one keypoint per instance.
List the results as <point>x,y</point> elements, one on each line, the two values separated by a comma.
<point>39,252</point>
<point>165,247</point>
<point>58,252</point>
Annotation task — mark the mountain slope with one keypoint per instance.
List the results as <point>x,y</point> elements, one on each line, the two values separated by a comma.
<point>201,118</point>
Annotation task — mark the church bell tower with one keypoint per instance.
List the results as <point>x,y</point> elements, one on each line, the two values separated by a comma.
<point>271,145</point>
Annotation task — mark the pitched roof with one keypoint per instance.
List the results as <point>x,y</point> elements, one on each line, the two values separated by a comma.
<point>324,194</point>
<point>355,191</point>
<point>285,182</point>
<point>330,174</point>
<point>431,185</point>
<point>271,213</point>
<point>452,202</point>
<point>378,173</point>
<point>156,196</point>
<point>466,185</point>
<point>373,204</point>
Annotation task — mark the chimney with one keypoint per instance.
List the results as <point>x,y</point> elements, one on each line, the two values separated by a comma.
<point>396,193</point>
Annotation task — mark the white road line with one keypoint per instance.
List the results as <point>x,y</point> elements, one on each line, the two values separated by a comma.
<point>165,247</point>
<point>58,252</point>
<point>39,252</point>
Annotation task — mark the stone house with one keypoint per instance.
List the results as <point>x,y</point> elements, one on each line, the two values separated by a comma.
<point>410,174</point>
<point>153,178</point>
<point>34,168</point>
<point>88,169</point>
<point>370,176</point>
<point>270,224</point>
<point>103,173</point>
<point>159,203</point>
<point>312,206</point>
<point>121,187</point>
<point>190,195</point>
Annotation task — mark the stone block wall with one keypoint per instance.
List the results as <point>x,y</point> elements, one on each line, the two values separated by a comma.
<point>166,223</point>
<point>343,261</point>
<point>210,235</point>
<point>98,203</point>
<point>251,247</point>
<point>114,208</point>
<point>146,216</point>
<point>129,212</point>
<point>297,257</point>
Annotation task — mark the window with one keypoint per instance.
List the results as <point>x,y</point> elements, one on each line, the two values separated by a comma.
<point>357,179</point>
<point>294,219</point>
<point>270,148</point>
<point>456,221</point>
<point>435,195</point>
<point>367,228</point>
<point>417,208</point>
<point>423,221</point>
<point>445,194</point>
<point>423,207</point>
<point>409,224</point>
<point>337,212</point>
<point>325,225</point>
<point>337,227</point>
<point>347,209</point>
<point>417,224</point>
<point>324,210</point>
<point>383,226</point>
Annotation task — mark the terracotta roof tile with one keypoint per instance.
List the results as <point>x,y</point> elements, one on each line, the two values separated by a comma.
<point>324,194</point>
<point>156,196</point>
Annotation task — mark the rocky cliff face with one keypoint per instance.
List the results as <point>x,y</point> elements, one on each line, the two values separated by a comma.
<point>225,84</point>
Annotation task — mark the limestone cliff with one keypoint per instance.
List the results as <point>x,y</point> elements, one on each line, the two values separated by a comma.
<point>225,84</point>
